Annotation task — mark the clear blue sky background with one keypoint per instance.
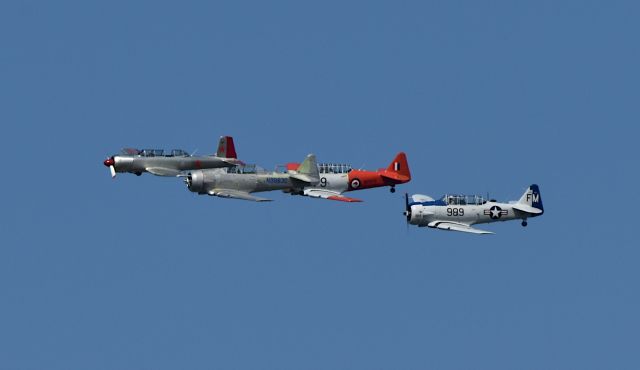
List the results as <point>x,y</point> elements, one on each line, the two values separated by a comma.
<point>138,273</point>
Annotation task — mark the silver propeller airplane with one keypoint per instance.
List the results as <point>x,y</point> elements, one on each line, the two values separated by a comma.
<point>459,212</point>
<point>156,162</point>
<point>240,181</point>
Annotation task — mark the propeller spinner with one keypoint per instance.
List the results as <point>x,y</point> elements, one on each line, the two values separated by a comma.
<point>110,162</point>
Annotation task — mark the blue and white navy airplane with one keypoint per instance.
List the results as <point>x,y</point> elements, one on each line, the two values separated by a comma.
<point>459,212</point>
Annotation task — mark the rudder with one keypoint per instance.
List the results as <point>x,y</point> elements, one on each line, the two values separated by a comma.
<point>400,165</point>
<point>226,148</point>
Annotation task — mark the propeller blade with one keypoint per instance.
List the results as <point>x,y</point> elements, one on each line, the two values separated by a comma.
<point>407,211</point>
<point>110,162</point>
<point>407,207</point>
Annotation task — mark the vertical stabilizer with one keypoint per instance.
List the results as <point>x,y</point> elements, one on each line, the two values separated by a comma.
<point>400,166</point>
<point>308,170</point>
<point>226,148</point>
<point>532,198</point>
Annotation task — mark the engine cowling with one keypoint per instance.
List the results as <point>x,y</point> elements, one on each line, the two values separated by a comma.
<point>122,163</point>
<point>195,181</point>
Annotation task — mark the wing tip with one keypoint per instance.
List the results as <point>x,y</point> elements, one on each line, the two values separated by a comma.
<point>344,199</point>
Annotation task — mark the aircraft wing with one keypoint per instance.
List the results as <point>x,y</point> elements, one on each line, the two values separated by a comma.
<point>161,171</point>
<point>456,226</point>
<point>327,194</point>
<point>236,194</point>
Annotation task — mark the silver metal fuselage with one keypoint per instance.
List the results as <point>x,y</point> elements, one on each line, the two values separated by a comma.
<point>207,181</point>
<point>139,164</point>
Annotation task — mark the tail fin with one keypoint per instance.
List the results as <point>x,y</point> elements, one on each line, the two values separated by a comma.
<point>531,199</point>
<point>308,170</point>
<point>226,148</point>
<point>400,167</point>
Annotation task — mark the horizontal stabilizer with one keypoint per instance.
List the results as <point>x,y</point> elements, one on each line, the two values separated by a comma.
<point>232,161</point>
<point>456,226</point>
<point>235,194</point>
<point>160,171</point>
<point>330,195</point>
<point>395,176</point>
<point>526,208</point>
<point>304,178</point>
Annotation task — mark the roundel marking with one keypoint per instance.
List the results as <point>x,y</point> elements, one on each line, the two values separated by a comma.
<point>495,212</point>
<point>355,183</point>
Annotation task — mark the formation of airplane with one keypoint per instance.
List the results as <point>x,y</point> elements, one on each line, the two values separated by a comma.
<point>460,212</point>
<point>159,163</point>
<point>224,175</point>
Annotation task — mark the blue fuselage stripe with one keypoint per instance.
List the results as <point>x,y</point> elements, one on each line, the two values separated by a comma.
<point>430,203</point>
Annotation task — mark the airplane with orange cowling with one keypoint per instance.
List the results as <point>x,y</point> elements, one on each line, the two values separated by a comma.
<point>336,179</point>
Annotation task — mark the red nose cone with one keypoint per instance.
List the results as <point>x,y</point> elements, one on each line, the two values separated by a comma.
<point>109,162</point>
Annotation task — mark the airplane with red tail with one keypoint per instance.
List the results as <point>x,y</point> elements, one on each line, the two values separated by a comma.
<point>159,163</point>
<point>336,179</point>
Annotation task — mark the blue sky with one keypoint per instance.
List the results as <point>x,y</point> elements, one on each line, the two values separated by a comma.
<point>138,273</point>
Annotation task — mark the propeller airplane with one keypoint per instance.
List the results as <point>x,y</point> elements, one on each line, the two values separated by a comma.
<point>156,162</point>
<point>336,179</point>
<point>240,181</point>
<point>459,212</point>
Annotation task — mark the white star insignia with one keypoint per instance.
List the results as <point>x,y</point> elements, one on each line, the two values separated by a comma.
<point>495,213</point>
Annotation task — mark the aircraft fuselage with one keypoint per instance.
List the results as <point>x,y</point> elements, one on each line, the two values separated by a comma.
<point>134,164</point>
<point>206,181</point>
<point>423,214</point>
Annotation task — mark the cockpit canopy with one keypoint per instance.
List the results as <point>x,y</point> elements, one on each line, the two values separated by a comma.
<point>179,153</point>
<point>453,199</point>
<point>334,168</point>
<point>246,169</point>
<point>281,168</point>
<point>154,153</point>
